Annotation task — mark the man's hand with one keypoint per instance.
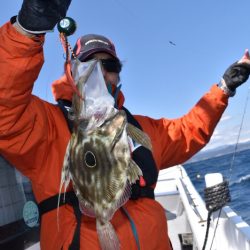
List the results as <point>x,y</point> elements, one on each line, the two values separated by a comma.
<point>237,73</point>
<point>41,16</point>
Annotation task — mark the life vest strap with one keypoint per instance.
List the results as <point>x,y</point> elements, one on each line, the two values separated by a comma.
<point>69,198</point>
<point>133,227</point>
<point>51,203</point>
<point>141,192</point>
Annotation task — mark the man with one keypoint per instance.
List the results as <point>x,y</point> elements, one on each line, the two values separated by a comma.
<point>34,134</point>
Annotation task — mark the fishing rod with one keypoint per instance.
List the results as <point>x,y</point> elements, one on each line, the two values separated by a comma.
<point>239,133</point>
<point>218,195</point>
<point>234,154</point>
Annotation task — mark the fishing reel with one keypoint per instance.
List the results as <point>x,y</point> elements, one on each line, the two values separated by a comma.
<point>67,26</point>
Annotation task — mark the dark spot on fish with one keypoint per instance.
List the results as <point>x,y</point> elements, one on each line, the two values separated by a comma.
<point>90,159</point>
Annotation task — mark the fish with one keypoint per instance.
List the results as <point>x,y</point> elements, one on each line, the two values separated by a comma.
<point>98,162</point>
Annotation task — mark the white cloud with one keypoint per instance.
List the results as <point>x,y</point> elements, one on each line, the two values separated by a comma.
<point>229,136</point>
<point>228,132</point>
<point>225,118</point>
<point>244,140</point>
<point>247,132</point>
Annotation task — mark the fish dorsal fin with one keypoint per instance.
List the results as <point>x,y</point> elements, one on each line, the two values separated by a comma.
<point>133,172</point>
<point>139,136</point>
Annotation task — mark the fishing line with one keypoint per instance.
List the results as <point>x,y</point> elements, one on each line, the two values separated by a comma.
<point>212,242</point>
<point>238,137</point>
<point>232,160</point>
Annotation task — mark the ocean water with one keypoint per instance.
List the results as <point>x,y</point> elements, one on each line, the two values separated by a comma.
<point>238,176</point>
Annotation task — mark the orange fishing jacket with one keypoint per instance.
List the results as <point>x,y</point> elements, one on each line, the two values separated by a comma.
<point>34,136</point>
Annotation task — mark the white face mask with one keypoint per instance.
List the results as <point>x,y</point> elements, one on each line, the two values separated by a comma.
<point>98,103</point>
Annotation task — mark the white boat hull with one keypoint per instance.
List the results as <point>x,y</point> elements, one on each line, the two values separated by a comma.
<point>187,216</point>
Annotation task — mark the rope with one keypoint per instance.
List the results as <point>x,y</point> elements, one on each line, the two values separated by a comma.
<point>215,198</point>
<point>207,230</point>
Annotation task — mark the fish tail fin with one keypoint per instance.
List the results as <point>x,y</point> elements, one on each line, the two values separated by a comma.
<point>107,236</point>
<point>139,136</point>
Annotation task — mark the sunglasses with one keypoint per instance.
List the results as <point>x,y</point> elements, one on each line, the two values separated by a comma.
<point>111,65</point>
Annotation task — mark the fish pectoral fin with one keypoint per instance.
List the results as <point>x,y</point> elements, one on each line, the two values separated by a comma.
<point>107,236</point>
<point>139,136</point>
<point>133,172</point>
<point>86,208</point>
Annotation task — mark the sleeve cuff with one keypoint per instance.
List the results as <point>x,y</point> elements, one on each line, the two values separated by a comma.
<point>222,85</point>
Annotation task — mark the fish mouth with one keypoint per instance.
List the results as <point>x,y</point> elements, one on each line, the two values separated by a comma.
<point>82,70</point>
<point>93,103</point>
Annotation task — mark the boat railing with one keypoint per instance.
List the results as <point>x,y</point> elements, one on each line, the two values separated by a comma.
<point>229,232</point>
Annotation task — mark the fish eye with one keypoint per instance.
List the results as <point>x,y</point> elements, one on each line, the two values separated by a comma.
<point>90,159</point>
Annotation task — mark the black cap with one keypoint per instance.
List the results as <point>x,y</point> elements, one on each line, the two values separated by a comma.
<point>92,43</point>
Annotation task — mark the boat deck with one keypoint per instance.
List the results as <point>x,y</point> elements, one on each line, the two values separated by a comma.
<point>187,216</point>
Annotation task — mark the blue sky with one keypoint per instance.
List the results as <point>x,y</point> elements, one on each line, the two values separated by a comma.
<point>160,79</point>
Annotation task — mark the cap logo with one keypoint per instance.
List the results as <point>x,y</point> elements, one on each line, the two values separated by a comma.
<point>96,40</point>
